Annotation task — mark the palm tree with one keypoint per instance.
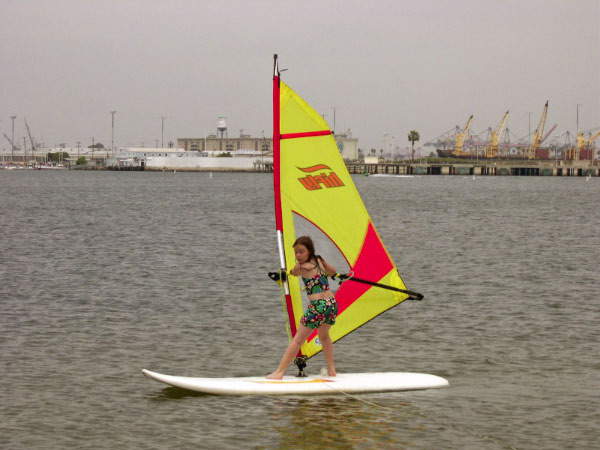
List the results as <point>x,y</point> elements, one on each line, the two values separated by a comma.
<point>412,137</point>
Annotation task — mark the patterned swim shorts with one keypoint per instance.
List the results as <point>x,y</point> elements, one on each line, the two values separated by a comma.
<point>323,310</point>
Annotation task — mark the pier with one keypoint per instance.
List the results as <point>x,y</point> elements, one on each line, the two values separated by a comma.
<point>425,166</point>
<point>480,168</point>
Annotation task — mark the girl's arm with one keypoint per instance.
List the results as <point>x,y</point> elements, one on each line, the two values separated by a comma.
<point>296,270</point>
<point>329,269</point>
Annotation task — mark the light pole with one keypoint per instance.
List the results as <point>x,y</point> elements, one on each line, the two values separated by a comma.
<point>262,150</point>
<point>529,135</point>
<point>12,153</point>
<point>334,120</point>
<point>112,138</point>
<point>577,134</point>
<point>162,131</point>
<point>385,135</point>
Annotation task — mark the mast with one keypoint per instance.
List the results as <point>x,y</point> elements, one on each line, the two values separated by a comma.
<point>276,150</point>
<point>277,194</point>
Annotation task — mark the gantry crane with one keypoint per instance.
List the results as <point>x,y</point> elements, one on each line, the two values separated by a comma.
<point>492,150</point>
<point>539,132</point>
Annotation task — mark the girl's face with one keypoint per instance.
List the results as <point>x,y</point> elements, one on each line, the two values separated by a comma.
<point>301,253</point>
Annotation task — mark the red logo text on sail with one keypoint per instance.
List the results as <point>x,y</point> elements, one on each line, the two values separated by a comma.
<point>320,181</point>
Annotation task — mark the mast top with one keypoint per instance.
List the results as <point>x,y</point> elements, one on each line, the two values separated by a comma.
<point>275,66</point>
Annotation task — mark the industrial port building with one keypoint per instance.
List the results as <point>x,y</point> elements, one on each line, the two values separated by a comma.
<point>245,144</point>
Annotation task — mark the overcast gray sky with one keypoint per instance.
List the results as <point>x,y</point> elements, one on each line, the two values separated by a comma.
<point>387,66</point>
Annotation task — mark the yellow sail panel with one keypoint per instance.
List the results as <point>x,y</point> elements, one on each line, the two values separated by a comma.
<point>316,186</point>
<point>299,115</point>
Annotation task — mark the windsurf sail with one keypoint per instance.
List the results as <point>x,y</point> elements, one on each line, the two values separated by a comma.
<point>315,196</point>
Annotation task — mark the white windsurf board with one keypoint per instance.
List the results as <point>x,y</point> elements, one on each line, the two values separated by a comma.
<point>342,383</point>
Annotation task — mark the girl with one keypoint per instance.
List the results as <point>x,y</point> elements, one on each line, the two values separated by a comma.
<point>321,311</point>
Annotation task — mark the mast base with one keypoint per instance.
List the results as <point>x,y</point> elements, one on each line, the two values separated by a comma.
<point>300,362</point>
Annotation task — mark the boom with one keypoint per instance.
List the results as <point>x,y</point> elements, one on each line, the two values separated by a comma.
<point>11,142</point>
<point>30,136</point>
<point>492,150</point>
<point>460,137</point>
<point>548,133</point>
<point>539,132</point>
<point>583,144</point>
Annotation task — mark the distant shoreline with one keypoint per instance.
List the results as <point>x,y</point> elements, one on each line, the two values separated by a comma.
<point>435,167</point>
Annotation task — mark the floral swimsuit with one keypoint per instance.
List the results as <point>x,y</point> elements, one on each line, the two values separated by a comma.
<point>322,310</point>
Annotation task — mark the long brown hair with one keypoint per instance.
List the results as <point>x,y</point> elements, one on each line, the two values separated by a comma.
<point>310,246</point>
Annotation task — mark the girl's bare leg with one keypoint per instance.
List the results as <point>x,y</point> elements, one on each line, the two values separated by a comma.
<point>323,332</point>
<point>292,350</point>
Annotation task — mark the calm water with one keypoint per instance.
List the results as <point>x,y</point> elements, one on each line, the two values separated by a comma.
<point>103,274</point>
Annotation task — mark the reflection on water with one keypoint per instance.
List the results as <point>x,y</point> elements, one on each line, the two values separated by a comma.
<point>340,423</point>
<point>173,393</point>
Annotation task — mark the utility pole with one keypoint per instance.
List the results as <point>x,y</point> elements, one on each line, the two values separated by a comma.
<point>12,154</point>
<point>529,135</point>
<point>334,119</point>
<point>162,131</point>
<point>112,138</point>
<point>578,105</point>
<point>78,144</point>
<point>385,135</point>
<point>24,152</point>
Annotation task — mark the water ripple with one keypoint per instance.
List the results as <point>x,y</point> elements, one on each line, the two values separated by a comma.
<point>103,274</point>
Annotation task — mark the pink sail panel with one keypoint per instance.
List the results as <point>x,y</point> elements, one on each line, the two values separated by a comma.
<point>373,263</point>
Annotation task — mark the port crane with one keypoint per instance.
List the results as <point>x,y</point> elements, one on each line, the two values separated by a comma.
<point>552,128</point>
<point>538,133</point>
<point>460,139</point>
<point>16,147</point>
<point>443,140</point>
<point>585,144</point>
<point>492,150</point>
<point>524,147</point>
<point>491,146</point>
<point>30,139</point>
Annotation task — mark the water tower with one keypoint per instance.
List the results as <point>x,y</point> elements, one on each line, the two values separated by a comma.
<point>222,126</point>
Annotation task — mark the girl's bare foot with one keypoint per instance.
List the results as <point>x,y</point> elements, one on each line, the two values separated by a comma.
<point>332,373</point>
<point>274,376</point>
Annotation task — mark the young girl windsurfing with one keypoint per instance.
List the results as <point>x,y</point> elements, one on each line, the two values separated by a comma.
<point>322,309</point>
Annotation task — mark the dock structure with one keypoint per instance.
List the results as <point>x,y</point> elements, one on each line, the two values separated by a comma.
<point>480,168</point>
<point>263,166</point>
